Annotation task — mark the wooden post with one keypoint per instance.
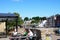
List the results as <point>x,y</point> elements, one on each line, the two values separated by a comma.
<point>6,27</point>
<point>16,24</point>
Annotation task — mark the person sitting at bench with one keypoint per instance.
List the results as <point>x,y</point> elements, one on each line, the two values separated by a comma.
<point>15,33</point>
<point>30,34</point>
<point>25,33</point>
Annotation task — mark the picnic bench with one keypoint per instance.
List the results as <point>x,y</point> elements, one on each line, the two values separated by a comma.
<point>21,38</point>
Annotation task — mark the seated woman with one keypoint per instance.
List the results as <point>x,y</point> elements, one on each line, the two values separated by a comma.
<point>30,34</point>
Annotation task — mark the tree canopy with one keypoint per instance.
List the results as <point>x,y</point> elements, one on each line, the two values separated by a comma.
<point>26,19</point>
<point>11,24</point>
<point>35,19</point>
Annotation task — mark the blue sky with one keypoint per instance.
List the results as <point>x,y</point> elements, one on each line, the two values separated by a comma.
<point>30,8</point>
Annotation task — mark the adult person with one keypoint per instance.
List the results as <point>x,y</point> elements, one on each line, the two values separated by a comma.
<point>30,34</point>
<point>48,37</point>
<point>26,32</point>
<point>15,33</point>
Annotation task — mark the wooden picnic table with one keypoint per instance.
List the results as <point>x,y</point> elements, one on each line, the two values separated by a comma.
<point>20,37</point>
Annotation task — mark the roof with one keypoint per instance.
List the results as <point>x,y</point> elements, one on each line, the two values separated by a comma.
<point>4,15</point>
<point>9,16</point>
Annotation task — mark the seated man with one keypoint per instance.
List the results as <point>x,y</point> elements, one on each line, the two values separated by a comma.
<point>15,33</point>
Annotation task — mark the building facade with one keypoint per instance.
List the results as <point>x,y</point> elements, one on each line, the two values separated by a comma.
<point>53,21</point>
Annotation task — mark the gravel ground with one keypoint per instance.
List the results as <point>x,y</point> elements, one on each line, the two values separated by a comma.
<point>4,38</point>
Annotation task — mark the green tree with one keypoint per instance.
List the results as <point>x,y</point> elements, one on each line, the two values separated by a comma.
<point>36,19</point>
<point>12,23</point>
<point>26,19</point>
<point>20,21</point>
<point>32,22</point>
<point>44,18</point>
